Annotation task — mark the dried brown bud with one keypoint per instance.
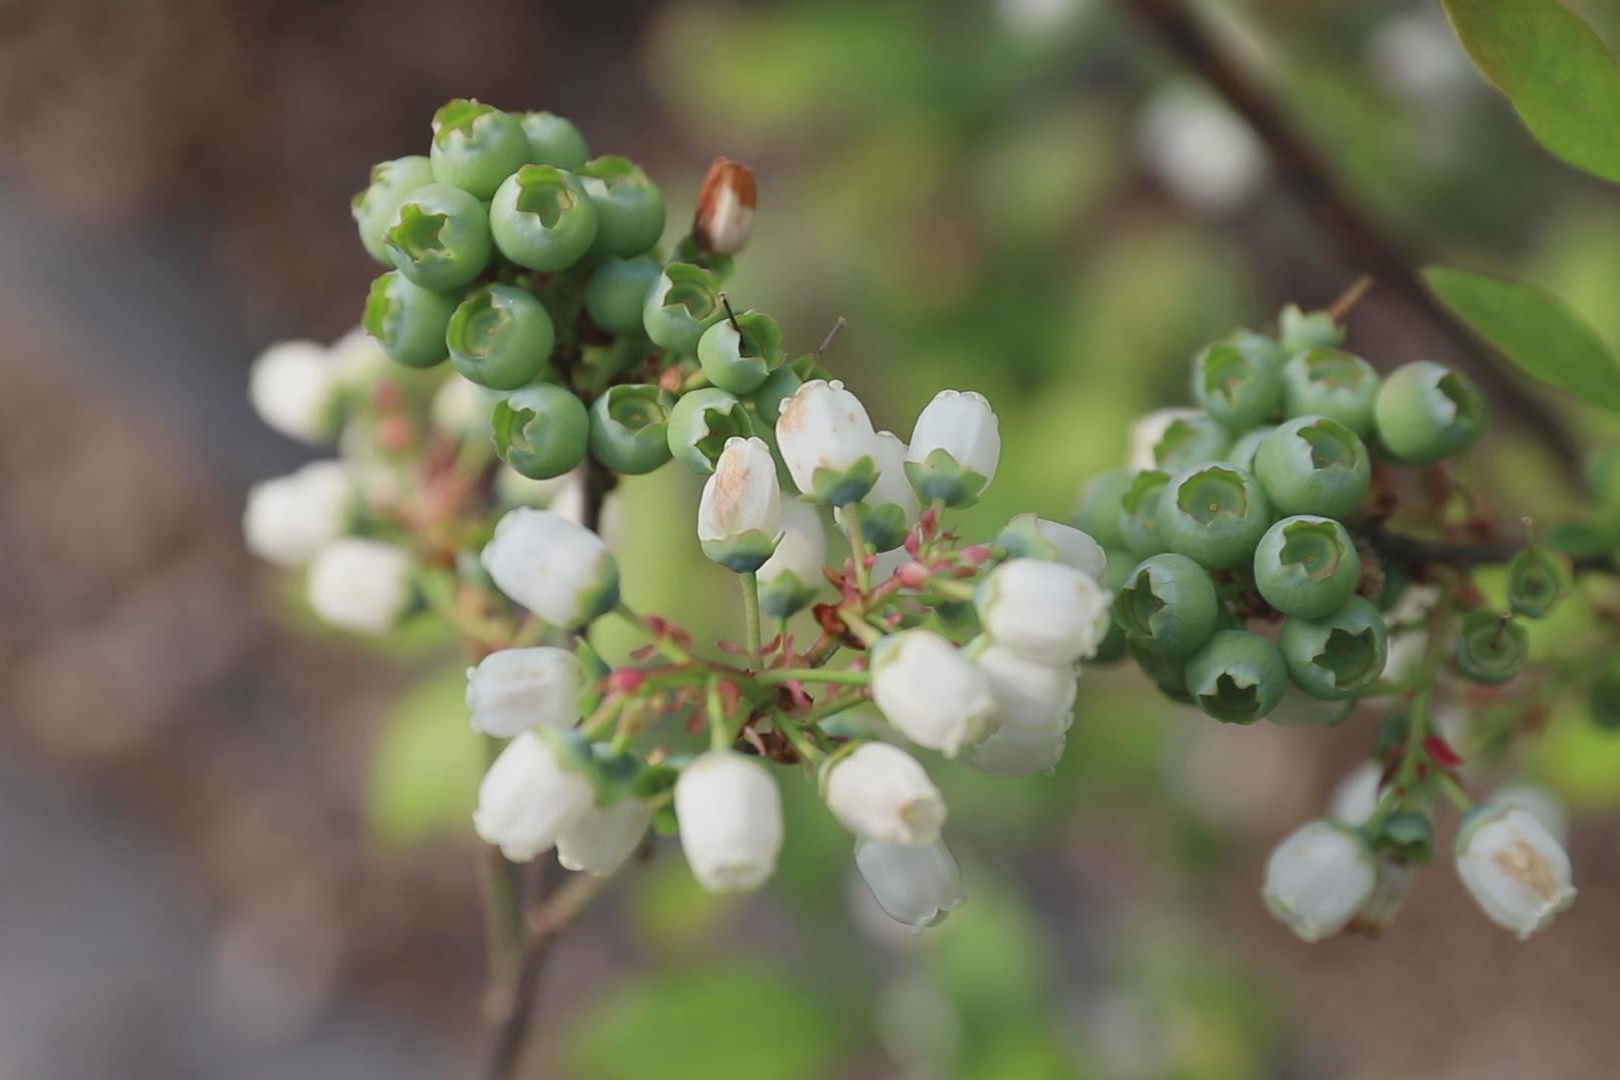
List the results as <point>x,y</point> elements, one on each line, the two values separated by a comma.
<point>725,208</point>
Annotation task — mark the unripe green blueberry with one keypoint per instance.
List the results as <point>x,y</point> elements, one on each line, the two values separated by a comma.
<point>1306,566</point>
<point>629,207</point>
<point>630,428</point>
<point>737,354</point>
<point>684,302</point>
<point>554,140</point>
<point>1314,465</point>
<point>407,320</point>
<point>541,430</point>
<point>1237,677</point>
<point>1538,580</point>
<point>1168,606</point>
<point>500,337</point>
<point>773,393</point>
<point>1213,513</point>
<point>542,219</point>
<point>1243,451</point>
<point>1098,513</point>
<point>1188,440</point>
<point>1299,330</point>
<point>1333,383</point>
<point>1113,647</point>
<point>1169,675</point>
<point>374,208</point>
<point>617,293</point>
<point>701,422</point>
<point>439,238</point>
<point>1336,657</point>
<point>1238,381</point>
<point>1139,513</point>
<point>1491,648</point>
<point>1427,412</point>
<point>476,146</point>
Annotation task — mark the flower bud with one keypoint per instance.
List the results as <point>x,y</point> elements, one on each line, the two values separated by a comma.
<point>791,577</point>
<point>880,792</point>
<point>725,208</point>
<point>730,814</point>
<point>740,514</point>
<point>1517,872</point>
<point>1032,537</point>
<point>439,238</point>
<point>930,692</point>
<point>702,422</point>
<point>293,387</point>
<point>629,206</point>
<point>603,837</point>
<point>513,690</point>
<point>1318,878</point>
<point>890,509</point>
<point>828,444</point>
<point>476,146</point>
<point>554,140</point>
<point>560,571</point>
<point>954,449</point>
<point>541,431</point>
<point>917,885</point>
<point>630,428</point>
<point>529,796</point>
<point>290,518</point>
<point>360,585</point>
<point>1046,610</point>
<point>1538,580</point>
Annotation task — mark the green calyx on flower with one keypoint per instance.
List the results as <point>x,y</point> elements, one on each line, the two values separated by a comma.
<point>940,477</point>
<point>840,487</point>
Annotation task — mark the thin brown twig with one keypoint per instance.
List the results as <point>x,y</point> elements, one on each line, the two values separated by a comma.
<point>1345,301</point>
<point>1360,241</point>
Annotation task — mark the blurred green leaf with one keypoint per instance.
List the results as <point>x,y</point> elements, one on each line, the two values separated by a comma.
<point>730,1021</point>
<point>1557,72</point>
<point>1532,328</point>
<point>425,766</point>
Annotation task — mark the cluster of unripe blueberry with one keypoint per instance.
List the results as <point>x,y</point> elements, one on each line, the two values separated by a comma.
<point>1249,513</point>
<point>533,269</point>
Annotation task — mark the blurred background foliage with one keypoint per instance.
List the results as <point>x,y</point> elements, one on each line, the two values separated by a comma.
<point>1022,197</point>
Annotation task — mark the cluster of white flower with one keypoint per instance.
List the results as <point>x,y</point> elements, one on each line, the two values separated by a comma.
<point>1001,701</point>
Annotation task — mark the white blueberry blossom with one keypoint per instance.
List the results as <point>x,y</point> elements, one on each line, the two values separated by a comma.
<point>1046,610</point>
<point>954,448</point>
<point>1031,536</point>
<point>930,692</point>
<point>827,443</point>
<point>880,792</point>
<point>562,572</point>
<point>890,509</point>
<point>295,390</point>
<point>360,585</point>
<point>513,690</point>
<point>1356,796</point>
<point>918,885</point>
<point>602,838</point>
<point>740,514</point>
<point>1516,870</point>
<point>791,577</point>
<point>529,797</point>
<point>1318,878</point>
<point>289,518</point>
<point>730,814</point>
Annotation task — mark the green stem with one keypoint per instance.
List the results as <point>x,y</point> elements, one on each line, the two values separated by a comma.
<point>750,588</point>
<point>503,903</point>
<point>857,549</point>
<point>801,743</point>
<point>821,675</point>
<point>625,612</point>
<point>719,737</point>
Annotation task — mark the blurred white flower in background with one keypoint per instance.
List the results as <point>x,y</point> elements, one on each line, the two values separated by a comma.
<point>1198,150</point>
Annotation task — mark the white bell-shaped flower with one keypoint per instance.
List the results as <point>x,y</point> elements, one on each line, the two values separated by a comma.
<point>1029,693</point>
<point>290,518</point>
<point>730,814</point>
<point>1516,870</point>
<point>603,837</point>
<point>360,585</point>
<point>1378,911</point>
<point>1542,804</point>
<point>954,449</point>
<point>513,690</point>
<point>1030,536</point>
<point>1318,878</point>
<point>930,692</point>
<point>740,514</point>
<point>1011,750</point>
<point>560,571</point>
<point>1356,796</point>
<point>1046,610</point>
<point>827,443</point>
<point>792,576</point>
<point>880,792</point>
<point>294,388</point>
<point>918,885</point>
<point>890,509</point>
<point>529,797</point>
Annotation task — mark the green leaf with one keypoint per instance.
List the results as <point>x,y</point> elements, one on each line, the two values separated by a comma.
<point>1557,72</point>
<point>1534,329</point>
<point>425,766</point>
<point>699,1024</point>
